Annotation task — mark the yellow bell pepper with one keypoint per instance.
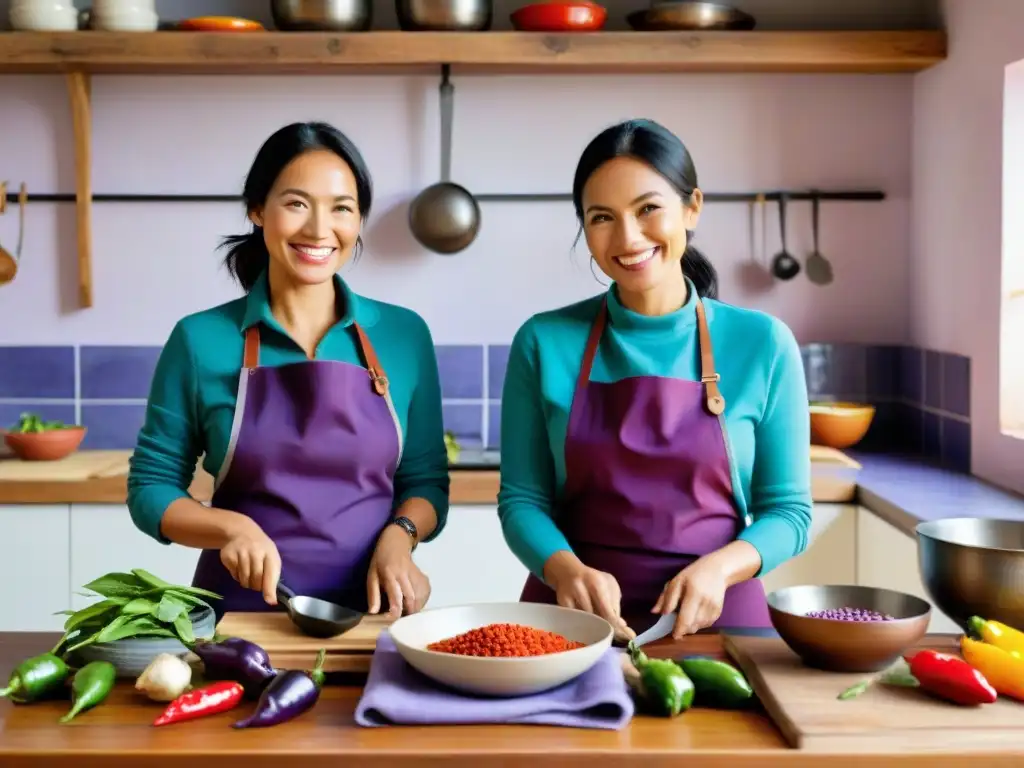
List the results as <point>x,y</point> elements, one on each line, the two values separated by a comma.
<point>998,634</point>
<point>1005,671</point>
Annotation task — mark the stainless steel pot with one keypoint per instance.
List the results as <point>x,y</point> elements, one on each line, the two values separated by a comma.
<point>332,15</point>
<point>445,15</point>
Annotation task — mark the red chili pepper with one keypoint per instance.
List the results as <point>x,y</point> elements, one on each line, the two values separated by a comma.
<point>209,700</point>
<point>951,678</point>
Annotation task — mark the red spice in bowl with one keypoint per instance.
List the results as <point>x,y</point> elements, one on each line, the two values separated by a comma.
<point>505,640</point>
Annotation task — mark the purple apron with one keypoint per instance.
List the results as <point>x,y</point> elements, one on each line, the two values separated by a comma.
<point>313,451</point>
<point>648,487</point>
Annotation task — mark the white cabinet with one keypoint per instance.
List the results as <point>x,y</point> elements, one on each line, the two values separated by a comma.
<point>105,539</point>
<point>34,567</point>
<point>470,561</point>
<point>830,556</point>
<point>887,558</point>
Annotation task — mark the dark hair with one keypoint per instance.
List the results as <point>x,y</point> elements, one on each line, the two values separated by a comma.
<point>661,149</point>
<point>247,255</point>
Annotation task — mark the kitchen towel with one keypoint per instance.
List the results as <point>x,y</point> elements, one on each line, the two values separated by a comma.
<point>397,694</point>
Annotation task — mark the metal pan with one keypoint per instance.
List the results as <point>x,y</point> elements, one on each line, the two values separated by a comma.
<point>315,617</point>
<point>681,15</point>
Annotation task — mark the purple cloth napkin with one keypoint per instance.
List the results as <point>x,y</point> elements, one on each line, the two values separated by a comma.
<point>397,694</point>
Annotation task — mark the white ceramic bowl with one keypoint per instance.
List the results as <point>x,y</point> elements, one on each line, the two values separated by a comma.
<point>511,676</point>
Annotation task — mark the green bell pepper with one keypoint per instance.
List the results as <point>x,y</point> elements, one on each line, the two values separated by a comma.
<point>718,683</point>
<point>35,679</point>
<point>664,686</point>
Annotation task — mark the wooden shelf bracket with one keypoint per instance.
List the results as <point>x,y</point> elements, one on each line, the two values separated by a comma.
<point>79,95</point>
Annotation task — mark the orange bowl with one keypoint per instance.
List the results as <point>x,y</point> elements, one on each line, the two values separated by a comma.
<point>45,446</point>
<point>840,425</point>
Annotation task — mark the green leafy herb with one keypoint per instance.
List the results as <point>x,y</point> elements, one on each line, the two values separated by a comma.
<point>96,611</point>
<point>33,423</point>
<point>117,585</point>
<point>170,608</point>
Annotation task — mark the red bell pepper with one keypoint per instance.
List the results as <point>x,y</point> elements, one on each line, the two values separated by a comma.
<point>951,678</point>
<point>209,700</point>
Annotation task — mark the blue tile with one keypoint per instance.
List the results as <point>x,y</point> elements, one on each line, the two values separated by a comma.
<point>849,371</point>
<point>885,430</point>
<point>911,421</point>
<point>931,435</point>
<point>37,372</point>
<point>933,378</point>
<point>818,369</point>
<point>494,426</point>
<point>956,385</point>
<point>117,372</point>
<point>883,373</point>
<point>112,427</point>
<point>956,444</point>
<point>497,362</point>
<point>466,422</point>
<point>911,374</point>
<point>461,369</point>
<point>10,413</point>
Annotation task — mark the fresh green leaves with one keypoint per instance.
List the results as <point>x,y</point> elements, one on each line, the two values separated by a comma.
<point>135,604</point>
<point>34,423</point>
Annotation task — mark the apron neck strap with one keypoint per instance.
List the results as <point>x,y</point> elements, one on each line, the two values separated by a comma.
<point>714,400</point>
<point>251,357</point>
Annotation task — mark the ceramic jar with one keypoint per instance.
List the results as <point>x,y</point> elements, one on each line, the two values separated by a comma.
<point>124,15</point>
<point>43,15</point>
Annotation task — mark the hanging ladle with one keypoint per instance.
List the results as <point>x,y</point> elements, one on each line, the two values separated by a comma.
<point>445,217</point>
<point>316,617</point>
<point>9,261</point>
<point>819,269</point>
<point>784,266</point>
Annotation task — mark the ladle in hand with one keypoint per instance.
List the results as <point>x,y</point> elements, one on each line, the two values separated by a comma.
<point>784,266</point>
<point>316,617</point>
<point>9,261</point>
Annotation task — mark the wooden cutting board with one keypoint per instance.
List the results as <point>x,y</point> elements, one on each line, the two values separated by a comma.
<point>802,702</point>
<point>288,648</point>
<point>79,466</point>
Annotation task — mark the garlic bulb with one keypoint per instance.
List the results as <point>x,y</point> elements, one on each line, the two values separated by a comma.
<point>165,679</point>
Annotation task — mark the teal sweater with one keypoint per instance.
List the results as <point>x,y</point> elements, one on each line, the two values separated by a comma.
<point>767,418</point>
<point>192,398</point>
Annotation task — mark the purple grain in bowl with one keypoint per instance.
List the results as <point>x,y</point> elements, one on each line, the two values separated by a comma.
<point>847,613</point>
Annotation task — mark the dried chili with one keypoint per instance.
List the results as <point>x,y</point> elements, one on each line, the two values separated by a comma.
<point>504,640</point>
<point>200,702</point>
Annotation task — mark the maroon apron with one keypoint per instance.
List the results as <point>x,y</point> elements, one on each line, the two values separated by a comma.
<point>313,451</point>
<point>648,487</point>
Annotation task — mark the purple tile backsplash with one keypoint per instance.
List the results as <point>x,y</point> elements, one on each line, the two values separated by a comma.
<point>922,396</point>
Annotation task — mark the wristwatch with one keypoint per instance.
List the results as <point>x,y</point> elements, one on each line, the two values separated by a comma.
<point>409,527</point>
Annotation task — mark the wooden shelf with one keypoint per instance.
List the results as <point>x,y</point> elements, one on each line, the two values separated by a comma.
<point>390,52</point>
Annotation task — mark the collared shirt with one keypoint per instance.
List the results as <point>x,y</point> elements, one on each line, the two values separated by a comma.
<point>195,385</point>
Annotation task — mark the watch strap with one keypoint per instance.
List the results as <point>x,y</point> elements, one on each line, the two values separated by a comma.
<point>409,527</point>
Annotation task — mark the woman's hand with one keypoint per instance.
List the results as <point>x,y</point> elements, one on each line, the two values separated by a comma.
<point>393,569</point>
<point>252,559</point>
<point>699,593</point>
<point>587,589</point>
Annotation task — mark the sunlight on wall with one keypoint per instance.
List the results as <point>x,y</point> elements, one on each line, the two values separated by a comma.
<point>1011,342</point>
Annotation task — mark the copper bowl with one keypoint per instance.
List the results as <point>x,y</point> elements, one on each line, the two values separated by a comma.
<point>848,646</point>
<point>840,425</point>
<point>50,445</point>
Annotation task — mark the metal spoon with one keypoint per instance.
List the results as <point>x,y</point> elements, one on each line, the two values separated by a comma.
<point>316,617</point>
<point>784,266</point>
<point>819,269</point>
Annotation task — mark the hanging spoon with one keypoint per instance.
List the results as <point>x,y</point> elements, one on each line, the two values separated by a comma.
<point>784,266</point>
<point>819,269</point>
<point>8,263</point>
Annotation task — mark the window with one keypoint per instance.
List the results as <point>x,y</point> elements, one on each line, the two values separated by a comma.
<point>1011,341</point>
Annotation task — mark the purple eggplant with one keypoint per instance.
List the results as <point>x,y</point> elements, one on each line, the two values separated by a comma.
<point>287,696</point>
<point>236,659</point>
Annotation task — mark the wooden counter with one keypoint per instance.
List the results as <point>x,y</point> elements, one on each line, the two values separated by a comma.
<point>119,734</point>
<point>833,480</point>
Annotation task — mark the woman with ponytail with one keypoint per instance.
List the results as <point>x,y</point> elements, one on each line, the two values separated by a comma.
<point>317,411</point>
<point>655,442</point>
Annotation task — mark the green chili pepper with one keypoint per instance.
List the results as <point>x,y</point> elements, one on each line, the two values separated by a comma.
<point>91,685</point>
<point>717,683</point>
<point>35,678</point>
<point>666,686</point>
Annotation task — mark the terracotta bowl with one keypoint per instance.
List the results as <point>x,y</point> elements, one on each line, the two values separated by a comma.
<point>840,425</point>
<point>45,446</point>
<point>848,646</point>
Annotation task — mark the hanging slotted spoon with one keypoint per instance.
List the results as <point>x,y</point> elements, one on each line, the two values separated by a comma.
<point>819,269</point>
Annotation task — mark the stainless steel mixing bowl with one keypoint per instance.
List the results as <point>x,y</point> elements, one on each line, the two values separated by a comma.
<point>327,15</point>
<point>847,646</point>
<point>974,567</point>
<point>444,15</point>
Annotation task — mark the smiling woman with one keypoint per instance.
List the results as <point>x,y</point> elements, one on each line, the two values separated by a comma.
<point>318,410</point>
<point>655,442</point>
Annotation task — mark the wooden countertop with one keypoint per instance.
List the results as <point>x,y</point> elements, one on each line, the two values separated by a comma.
<point>119,734</point>
<point>833,480</point>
